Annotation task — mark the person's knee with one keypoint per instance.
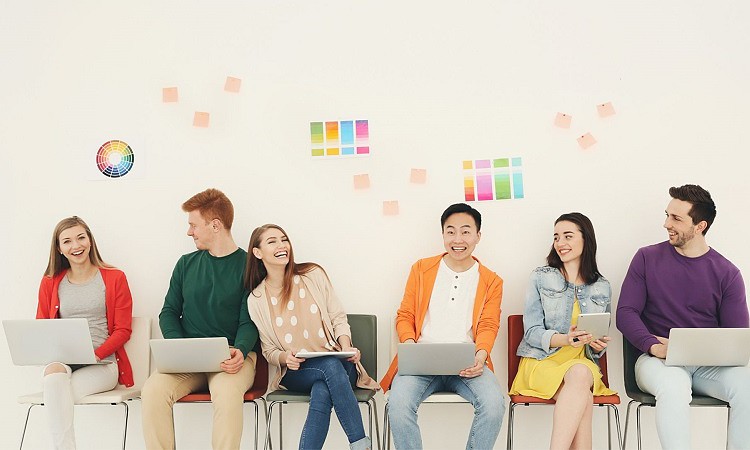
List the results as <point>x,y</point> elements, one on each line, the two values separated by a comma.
<point>579,376</point>
<point>154,392</point>
<point>401,404</point>
<point>54,368</point>
<point>675,389</point>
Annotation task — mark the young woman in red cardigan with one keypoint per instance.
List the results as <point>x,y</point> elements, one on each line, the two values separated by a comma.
<point>78,283</point>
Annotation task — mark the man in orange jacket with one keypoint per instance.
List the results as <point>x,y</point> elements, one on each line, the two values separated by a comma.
<point>450,298</point>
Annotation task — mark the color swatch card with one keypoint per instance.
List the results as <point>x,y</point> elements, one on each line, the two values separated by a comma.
<point>345,138</point>
<point>113,159</point>
<point>493,179</point>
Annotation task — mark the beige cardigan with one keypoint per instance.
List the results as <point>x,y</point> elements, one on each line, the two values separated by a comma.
<point>334,319</point>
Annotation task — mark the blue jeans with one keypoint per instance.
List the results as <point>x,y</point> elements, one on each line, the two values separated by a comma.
<point>409,391</point>
<point>673,386</point>
<point>329,381</point>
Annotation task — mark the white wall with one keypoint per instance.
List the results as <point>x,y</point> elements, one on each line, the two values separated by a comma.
<point>439,82</point>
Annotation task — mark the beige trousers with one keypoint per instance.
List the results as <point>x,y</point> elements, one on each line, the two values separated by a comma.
<point>162,390</point>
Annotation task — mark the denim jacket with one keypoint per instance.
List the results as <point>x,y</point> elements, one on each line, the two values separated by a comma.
<point>549,306</point>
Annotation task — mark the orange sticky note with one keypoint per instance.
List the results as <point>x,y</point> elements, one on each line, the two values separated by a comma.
<point>200,119</point>
<point>418,176</point>
<point>586,141</point>
<point>605,109</point>
<point>563,120</point>
<point>390,208</point>
<point>169,94</point>
<point>362,181</point>
<point>232,84</point>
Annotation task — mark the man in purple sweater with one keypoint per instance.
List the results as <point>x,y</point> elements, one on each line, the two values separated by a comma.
<point>683,283</point>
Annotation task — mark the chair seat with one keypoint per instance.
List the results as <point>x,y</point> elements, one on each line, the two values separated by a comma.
<point>698,400</point>
<point>282,395</point>
<point>251,395</point>
<point>598,400</point>
<point>117,395</point>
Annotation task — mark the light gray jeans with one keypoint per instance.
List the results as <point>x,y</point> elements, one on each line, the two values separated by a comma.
<point>63,390</point>
<point>673,387</point>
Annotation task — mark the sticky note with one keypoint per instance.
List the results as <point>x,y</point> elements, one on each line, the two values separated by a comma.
<point>169,95</point>
<point>605,109</point>
<point>418,176</point>
<point>232,84</point>
<point>390,208</point>
<point>200,119</point>
<point>586,141</point>
<point>563,120</point>
<point>362,181</point>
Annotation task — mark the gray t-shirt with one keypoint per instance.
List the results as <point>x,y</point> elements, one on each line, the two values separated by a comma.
<point>86,301</point>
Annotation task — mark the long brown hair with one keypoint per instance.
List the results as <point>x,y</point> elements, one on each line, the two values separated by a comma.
<point>57,262</point>
<point>255,271</point>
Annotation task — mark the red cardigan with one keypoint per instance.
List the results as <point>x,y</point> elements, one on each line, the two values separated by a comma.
<point>119,305</point>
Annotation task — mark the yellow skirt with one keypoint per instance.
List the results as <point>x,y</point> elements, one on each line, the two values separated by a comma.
<point>542,378</point>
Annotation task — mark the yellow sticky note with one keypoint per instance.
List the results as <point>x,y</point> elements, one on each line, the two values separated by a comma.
<point>605,109</point>
<point>362,181</point>
<point>563,120</point>
<point>418,176</point>
<point>232,84</point>
<point>169,94</point>
<point>200,119</point>
<point>586,141</point>
<point>390,208</point>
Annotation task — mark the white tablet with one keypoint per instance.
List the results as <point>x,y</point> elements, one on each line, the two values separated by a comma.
<point>596,324</point>
<point>318,354</point>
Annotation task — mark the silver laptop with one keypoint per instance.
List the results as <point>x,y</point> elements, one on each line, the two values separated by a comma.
<point>434,359</point>
<point>189,355</point>
<point>708,347</point>
<point>38,342</point>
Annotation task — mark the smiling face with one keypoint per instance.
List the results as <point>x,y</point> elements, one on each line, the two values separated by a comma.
<point>460,237</point>
<point>679,224</point>
<point>274,248</point>
<point>201,230</point>
<point>568,241</point>
<point>75,245</point>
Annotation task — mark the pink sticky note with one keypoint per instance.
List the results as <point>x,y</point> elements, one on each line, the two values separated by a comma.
<point>362,181</point>
<point>418,176</point>
<point>169,94</point>
<point>586,141</point>
<point>605,109</point>
<point>200,119</point>
<point>390,208</point>
<point>232,84</point>
<point>563,120</point>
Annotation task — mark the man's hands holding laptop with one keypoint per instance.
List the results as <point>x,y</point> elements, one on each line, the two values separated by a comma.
<point>660,350</point>
<point>480,357</point>
<point>234,363</point>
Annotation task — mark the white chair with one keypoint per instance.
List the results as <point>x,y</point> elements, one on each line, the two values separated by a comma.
<point>139,354</point>
<point>434,399</point>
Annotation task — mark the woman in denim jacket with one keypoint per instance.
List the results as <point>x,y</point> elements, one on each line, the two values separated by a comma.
<point>559,361</point>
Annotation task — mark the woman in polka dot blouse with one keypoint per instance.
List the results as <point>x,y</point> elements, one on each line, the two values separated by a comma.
<point>296,309</point>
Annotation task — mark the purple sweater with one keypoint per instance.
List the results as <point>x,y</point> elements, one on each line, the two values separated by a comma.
<point>665,290</point>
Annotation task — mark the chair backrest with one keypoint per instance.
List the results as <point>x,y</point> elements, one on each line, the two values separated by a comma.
<point>261,373</point>
<point>515,334</point>
<point>138,349</point>
<point>630,355</point>
<point>365,338</point>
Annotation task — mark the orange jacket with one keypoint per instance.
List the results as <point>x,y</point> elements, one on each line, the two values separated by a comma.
<point>413,309</point>
<point>119,304</point>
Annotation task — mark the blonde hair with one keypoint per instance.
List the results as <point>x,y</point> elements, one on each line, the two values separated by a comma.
<point>57,262</point>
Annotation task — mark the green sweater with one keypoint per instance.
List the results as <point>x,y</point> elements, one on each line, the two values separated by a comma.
<point>206,298</point>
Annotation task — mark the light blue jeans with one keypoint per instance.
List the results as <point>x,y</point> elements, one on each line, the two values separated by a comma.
<point>409,391</point>
<point>673,386</point>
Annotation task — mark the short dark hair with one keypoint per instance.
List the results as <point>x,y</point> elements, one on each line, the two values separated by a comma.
<point>459,208</point>
<point>588,271</point>
<point>703,208</point>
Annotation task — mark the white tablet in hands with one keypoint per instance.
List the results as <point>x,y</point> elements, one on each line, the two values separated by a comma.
<point>307,354</point>
<point>596,324</point>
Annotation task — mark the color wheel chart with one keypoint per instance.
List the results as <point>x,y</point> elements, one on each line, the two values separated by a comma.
<point>493,179</point>
<point>343,138</point>
<point>115,159</point>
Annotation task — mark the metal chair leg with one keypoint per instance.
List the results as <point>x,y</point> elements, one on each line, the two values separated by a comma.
<point>125,432</point>
<point>386,429</point>
<point>509,443</point>
<point>281,426</point>
<point>638,424</point>
<point>377,422</point>
<point>25,424</point>
<point>617,425</point>
<point>609,430</point>
<point>627,421</point>
<point>269,420</point>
